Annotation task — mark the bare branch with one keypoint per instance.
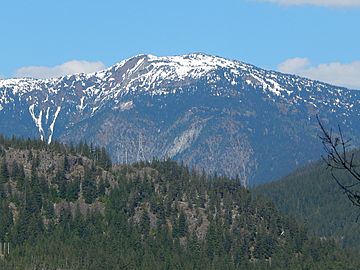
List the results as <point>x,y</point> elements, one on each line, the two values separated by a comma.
<point>338,158</point>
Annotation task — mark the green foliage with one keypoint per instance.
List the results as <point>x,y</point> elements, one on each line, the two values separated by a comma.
<point>98,154</point>
<point>72,190</point>
<point>151,215</point>
<point>144,224</point>
<point>18,174</point>
<point>101,188</point>
<point>6,221</point>
<point>313,197</point>
<point>182,225</point>
<point>89,189</point>
<point>4,172</point>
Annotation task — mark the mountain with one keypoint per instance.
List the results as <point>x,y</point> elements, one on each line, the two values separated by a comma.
<point>312,196</point>
<point>65,207</point>
<point>221,115</point>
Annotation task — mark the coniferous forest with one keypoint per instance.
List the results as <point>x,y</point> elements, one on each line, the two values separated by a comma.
<point>67,207</point>
<point>312,196</point>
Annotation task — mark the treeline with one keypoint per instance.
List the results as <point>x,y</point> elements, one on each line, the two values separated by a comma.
<point>95,153</point>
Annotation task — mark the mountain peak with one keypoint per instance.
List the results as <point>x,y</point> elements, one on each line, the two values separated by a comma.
<point>147,97</point>
<point>197,60</point>
<point>158,75</point>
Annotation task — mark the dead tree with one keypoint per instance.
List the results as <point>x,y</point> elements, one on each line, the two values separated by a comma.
<point>340,158</point>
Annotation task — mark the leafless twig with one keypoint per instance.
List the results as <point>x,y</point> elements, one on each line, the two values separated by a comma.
<point>338,158</point>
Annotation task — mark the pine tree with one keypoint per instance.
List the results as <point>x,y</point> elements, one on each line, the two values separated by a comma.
<point>182,225</point>
<point>61,182</point>
<point>145,223</point>
<point>66,164</point>
<point>73,189</point>
<point>89,190</point>
<point>4,172</point>
<point>101,188</point>
<point>6,220</point>
<point>65,218</point>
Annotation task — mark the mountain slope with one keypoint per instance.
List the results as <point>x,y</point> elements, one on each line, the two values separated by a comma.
<point>212,113</point>
<point>63,207</point>
<point>311,195</point>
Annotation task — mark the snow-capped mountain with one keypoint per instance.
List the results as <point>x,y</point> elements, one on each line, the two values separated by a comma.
<point>210,112</point>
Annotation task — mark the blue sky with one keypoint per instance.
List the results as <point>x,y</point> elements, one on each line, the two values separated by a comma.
<point>314,38</point>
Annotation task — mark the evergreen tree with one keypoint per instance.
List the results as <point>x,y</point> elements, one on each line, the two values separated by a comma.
<point>182,226</point>
<point>4,172</point>
<point>6,220</point>
<point>61,182</point>
<point>145,223</point>
<point>101,188</point>
<point>89,189</point>
<point>72,190</point>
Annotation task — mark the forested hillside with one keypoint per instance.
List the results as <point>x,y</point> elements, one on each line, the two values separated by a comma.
<point>67,207</point>
<point>312,196</point>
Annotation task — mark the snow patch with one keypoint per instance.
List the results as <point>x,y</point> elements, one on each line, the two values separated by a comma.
<point>53,124</point>
<point>47,115</point>
<point>81,107</point>
<point>123,106</point>
<point>37,120</point>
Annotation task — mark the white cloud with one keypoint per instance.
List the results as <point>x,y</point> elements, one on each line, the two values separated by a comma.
<point>347,75</point>
<point>333,3</point>
<point>293,65</point>
<point>67,68</point>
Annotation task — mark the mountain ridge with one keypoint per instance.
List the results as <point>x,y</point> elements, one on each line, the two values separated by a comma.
<point>203,109</point>
<point>312,196</point>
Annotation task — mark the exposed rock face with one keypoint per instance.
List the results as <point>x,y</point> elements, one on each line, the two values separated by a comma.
<point>224,116</point>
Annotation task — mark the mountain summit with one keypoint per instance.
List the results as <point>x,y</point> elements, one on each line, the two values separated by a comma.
<point>213,113</point>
